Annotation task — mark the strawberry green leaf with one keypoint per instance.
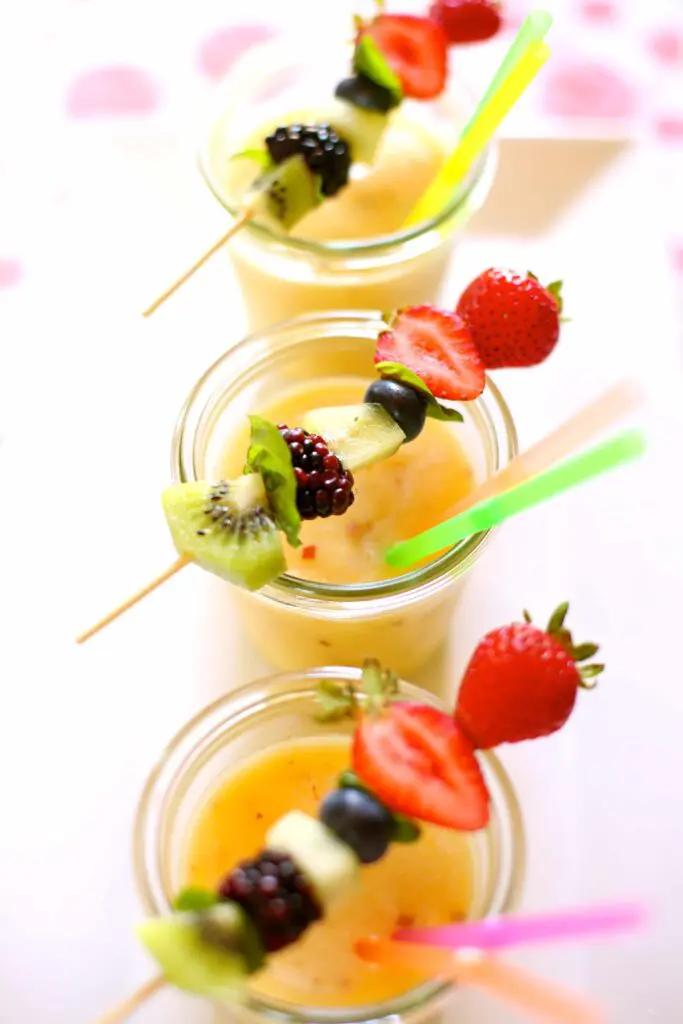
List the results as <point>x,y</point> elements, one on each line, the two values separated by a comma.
<point>557,618</point>
<point>582,652</point>
<point>269,455</point>
<point>437,411</point>
<point>369,60</point>
<point>260,156</point>
<point>380,685</point>
<point>335,701</point>
<point>555,290</point>
<point>195,899</point>
<point>588,674</point>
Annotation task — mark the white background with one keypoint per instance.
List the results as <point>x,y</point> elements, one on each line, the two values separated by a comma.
<point>88,397</point>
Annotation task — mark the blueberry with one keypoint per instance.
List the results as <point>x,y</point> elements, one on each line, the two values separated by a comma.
<point>404,404</point>
<point>362,92</point>
<point>360,821</point>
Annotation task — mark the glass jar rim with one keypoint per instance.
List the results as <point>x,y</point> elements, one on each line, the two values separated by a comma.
<point>336,597</point>
<point>248,700</point>
<point>249,66</point>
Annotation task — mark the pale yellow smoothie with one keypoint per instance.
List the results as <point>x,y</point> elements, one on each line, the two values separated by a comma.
<point>339,603</point>
<point>429,882</point>
<point>352,252</point>
<point>395,499</point>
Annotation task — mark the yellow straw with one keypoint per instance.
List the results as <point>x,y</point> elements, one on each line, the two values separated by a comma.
<point>479,133</point>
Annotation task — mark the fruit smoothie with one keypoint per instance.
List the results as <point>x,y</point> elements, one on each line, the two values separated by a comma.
<point>396,498</point>
<point>351,250</point>
<point>427,882</point>
<point>385,467</point>
<point>298,815</point>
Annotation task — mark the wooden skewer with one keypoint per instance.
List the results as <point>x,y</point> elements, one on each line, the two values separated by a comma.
<point>580,428</point>
<point>179,564</point>
<point>619,400</point>
<point>123,1010</point>
<point>246,215</point>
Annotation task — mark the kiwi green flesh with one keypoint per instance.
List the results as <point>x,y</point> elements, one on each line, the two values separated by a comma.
<point>359,434</point>
<point>189,961</point>
<point>226,529</point>
<point>226,926</point>
<point>361,129</point>
<point>286,193</point>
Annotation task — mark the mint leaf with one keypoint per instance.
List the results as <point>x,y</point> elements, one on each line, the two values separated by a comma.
<point>349,780</point>
<point>195,899</point>
<point>397,371</point>
<point>269,455</point>
<point>369,60</point>
<point>405,829</point>
<point>261,156</point>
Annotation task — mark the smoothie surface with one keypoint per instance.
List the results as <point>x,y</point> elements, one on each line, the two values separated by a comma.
<point>424,883</point>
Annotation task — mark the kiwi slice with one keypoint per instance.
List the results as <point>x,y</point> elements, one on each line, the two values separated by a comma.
<point>227,528</point>
<point>358,434</point>
<point>286,193</point>
<point>363,129</point>
<point>210,954</point>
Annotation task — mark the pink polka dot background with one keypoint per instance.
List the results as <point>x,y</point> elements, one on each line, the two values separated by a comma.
<point>616,71</point>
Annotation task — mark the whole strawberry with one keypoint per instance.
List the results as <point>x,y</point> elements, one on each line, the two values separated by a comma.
<point>513,319</point>
<point>522,681</point>
<point>467,21</point>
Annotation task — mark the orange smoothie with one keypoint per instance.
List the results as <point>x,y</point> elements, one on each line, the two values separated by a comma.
<point>411,491</point>
<point>431,881</point>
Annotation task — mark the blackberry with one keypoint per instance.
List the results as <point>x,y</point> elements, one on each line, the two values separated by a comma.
<point>324,487</point>
<point>275,895</point>
<point>325,152</point>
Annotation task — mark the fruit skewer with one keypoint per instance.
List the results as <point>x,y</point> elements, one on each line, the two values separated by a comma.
<point>215,939</point>
<point>425,359</point>
<point>410,764</point>
<point>395,56</point>
<point>300,165</point>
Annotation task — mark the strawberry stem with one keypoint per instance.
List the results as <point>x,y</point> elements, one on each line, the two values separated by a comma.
<point>336,701</point>
<point>580,652</point>
<point>555,290</point>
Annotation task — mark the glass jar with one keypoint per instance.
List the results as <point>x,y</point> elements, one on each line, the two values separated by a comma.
<point>282,276</point>
<point>297,623</point>
<point>251,719</point>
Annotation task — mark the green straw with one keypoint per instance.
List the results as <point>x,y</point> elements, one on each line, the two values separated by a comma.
<point>533,30</point>
<point>622,448</point>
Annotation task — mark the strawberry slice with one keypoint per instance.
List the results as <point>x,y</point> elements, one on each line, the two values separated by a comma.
<point>436,345</point>
<point>416,49</point>
<point>420,764</point>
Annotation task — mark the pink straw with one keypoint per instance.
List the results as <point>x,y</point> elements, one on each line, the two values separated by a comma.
<point>514,930</point>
